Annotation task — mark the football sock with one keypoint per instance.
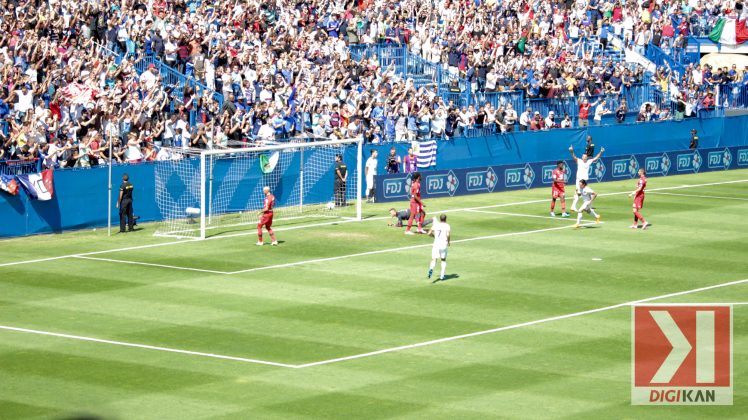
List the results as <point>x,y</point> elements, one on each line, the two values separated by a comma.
<point>636,218</point>
<point>563,206</point>
<point>444,268</point>
<point>553,204</point>
<point>272,234</point>
<point>574,203</point>
<point>579,217</point>
<point>432,264</point>
<point>259,234</point>
<point>592,212</point>
<point>639,215</point>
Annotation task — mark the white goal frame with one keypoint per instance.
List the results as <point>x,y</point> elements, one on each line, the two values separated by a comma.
<point>206,180</point>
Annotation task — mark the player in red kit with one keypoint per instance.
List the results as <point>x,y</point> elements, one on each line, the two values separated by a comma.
<point>266,217</point>
<point>416,205</point>
<point>639,200</point>
<point>558,187</point>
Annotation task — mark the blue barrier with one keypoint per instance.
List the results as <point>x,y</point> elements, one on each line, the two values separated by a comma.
<point>476,180</point>
<point>81,201</point>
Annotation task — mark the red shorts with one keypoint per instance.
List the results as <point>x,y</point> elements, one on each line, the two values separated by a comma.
<point>557,192</point>
<point>415,208</point>
<point>638,201</point>
<point>266,220</point>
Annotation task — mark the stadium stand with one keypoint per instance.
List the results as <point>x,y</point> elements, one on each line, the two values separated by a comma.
<point>194,74</point>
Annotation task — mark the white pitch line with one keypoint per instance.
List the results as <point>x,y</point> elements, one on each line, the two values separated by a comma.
<point>175,267</point>
<point>378,352</point>
<point>500,213</point>
<point>701,196</point>
<point>520,325</point>
<point>298,263</point>
<point>339,222</point>
<point>403,248</point>
<point>145,346</point>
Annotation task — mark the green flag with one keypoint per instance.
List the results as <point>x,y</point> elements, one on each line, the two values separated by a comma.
<point>716,32</point>
<point>267,163</point>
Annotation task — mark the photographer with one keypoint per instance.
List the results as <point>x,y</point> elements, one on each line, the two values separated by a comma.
<point>393,162</point>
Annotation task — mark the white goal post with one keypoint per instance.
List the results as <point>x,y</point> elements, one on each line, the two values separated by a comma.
<point>203,193</point>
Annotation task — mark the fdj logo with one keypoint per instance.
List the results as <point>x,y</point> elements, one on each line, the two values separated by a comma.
<point>682,355</point>
<point>397,187</point>
<point>743,157</point>
<point>548,173</point>
<point>598,171</point>
<point>623,168</point>
<point>519,177</point>
<point>657,164</point>
<point>719,159</point>
<point>689,162</point>
<point>442,184</point>
<point>481,180</point>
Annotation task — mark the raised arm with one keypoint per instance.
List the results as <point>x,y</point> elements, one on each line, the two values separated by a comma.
<point>573,156</point>
<point>602,149</point>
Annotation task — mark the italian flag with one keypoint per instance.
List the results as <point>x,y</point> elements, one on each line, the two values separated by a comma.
<point>729,31</point>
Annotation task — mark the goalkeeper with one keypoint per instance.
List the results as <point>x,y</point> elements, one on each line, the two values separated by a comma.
<point>402,217</point>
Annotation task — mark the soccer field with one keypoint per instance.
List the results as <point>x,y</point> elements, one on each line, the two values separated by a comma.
<point>533,320</point>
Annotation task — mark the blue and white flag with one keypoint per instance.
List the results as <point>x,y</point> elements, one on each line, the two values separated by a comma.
<point>426,153</point>
<point>38,186</point>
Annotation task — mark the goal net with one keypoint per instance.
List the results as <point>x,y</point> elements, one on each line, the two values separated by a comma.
<point>219,191</point>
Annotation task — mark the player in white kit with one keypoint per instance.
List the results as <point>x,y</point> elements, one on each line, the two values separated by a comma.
<point>587,197</point>
<point>440,231</point>
<point>371,173</point>
<point>583,172</point>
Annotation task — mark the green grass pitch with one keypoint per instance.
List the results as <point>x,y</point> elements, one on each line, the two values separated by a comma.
<point>225,329</point>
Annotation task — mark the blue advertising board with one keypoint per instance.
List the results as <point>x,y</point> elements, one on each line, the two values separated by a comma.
<point>452,182</point>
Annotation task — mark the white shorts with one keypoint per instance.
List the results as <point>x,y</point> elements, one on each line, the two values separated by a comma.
<point>439,253</point>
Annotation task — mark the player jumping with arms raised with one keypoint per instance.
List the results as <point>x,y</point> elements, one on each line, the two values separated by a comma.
<point>583,172</point>
<point>266,217</point>
<point>441,233</point>
<point>416,204</point>
<point>639,200</point>
<point>558,187</point>
<point>587,197</point>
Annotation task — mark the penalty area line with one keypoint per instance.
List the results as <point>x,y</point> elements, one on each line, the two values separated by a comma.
<point>402,248</point>
<point>373,353</point>
<point>280,229</point>
<point>144,346</point>
<point>521,325</point>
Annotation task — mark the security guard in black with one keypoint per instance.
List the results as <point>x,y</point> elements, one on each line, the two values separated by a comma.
<point>341,175</point>
<point>124,203</point>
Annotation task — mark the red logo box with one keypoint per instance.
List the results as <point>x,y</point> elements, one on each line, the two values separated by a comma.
<point>681,354</point>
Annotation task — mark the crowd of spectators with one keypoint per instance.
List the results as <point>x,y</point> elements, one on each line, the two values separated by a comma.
<point>283,69</point>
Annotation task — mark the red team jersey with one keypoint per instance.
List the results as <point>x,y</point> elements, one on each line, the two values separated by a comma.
<point>415,192</point>
<point>267,215</point>
<point>639,198</point>
<point>559,182</point>
<point>269,203</point>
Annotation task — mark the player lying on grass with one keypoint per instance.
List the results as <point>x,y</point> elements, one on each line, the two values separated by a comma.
<point>416,204</point>
<point>403,216</point>
<point>266,217</point>
<point>441,233</point>
<point>588,196</point>
<point>638,195</point>
<point>558,188</point>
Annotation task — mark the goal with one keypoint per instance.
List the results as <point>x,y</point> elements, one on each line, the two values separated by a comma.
<point>214,192</point>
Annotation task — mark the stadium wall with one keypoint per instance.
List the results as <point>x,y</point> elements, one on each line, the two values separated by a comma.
<point>494,178</point>
<point>80,199</point>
